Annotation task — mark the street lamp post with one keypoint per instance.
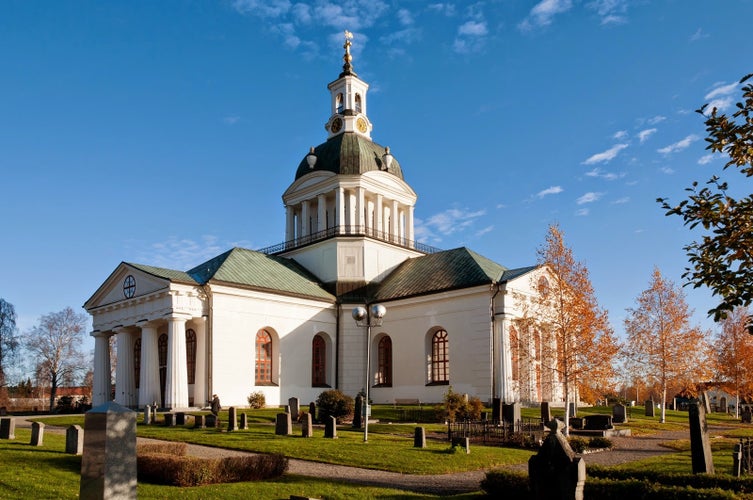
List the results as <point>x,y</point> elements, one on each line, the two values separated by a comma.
<point>366,318</point>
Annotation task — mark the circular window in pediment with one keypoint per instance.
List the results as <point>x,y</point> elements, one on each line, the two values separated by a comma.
<point>129,286</point>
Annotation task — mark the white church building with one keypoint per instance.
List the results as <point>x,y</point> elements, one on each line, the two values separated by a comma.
<point>279,320</point>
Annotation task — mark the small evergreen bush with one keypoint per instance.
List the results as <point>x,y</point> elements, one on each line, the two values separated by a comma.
<point>333,403</point>
<point>600,442</point>
<point>455,407</point>
<point>578,444</point>
<point>256,400</point>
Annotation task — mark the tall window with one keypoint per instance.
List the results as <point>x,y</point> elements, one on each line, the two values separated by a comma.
<point>137,361</point>
<point>440,358</point>
<point>384,362</point>
<point>191,355</point>
<point>358,103</point>
<point>263,358</point>
<point>339,103</point>
<point>318,362</point>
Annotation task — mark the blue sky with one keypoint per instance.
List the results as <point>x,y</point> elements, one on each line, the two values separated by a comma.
<point>165,132</point>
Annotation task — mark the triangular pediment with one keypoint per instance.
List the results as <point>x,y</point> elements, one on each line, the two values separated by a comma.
<point>132,281</point>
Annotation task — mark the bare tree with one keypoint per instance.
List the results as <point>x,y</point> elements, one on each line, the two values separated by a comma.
<point>55,346</point>
<point>665,348</point>
<point>8,337</point>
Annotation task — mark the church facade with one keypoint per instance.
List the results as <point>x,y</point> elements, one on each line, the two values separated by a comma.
<point>279,320</point>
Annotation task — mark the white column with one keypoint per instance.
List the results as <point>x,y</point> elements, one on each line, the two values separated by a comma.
<point>395,220</point>
<point>125,386</point>
<point>289,223</point>
<point>200,395</point>
<point>149,389</point>
<point>339,208</point>
<point>503,363</point>
<point>101,379</point>
<point>409,226</point>
<point>379,214</point>
<point>305,218</point>
<point>176,384</point>
<point>351,212</point>
<point>321,213</point>
<point>360,209</point>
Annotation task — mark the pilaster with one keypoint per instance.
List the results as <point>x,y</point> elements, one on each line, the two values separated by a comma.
<point>125,387</point>
<point>101,379</point>
<point>176,384</point>
<point>149,387</point>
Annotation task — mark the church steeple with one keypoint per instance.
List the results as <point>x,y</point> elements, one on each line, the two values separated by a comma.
<point>348,95</point>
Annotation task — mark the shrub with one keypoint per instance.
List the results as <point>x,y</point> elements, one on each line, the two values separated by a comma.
<point>600,442</point>
<point>578,444</point>
<point>178,449</point>
<point>456,407</point>
<point>506,484</point>
<point>175,470</point>
<point>256,400</point>
<point>334,403</point>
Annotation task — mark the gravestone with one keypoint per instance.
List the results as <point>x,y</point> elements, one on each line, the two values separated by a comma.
<point>576,423</point>
<point>147,415</point>
<point>3,411</point>
<point>211,420</point>
<point>358,412</point>
<point>198,422</point>
<point>700,447</point>
<point>330,427</point>
<point>232,419</point>
<point>7,428</point>
<point>108,466</point>
<point>650,408</point>
<point>511,413</point>
<point>597,422</point>
<point>556,471</point>
<point>154,412</point>
<point>419,438</point>
<point>747,415</point>
<point>619,414</point>
<point>180,418</point>
<point>723,404</point>
<point>496,410</point>
<point>546,412</point>
<point>295,408</point>
<point>244,422</point>
<point>572,409</point>
<point>37,434</point>
<point>74,440</point>
<point>307,429</point>
<point>462,442</point>
<point>312,410</point>
<point>169,419</point>
<point>283,424</point>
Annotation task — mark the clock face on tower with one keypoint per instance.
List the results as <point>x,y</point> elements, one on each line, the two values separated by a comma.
<point>361,124</point>
<point>337,124</point>
<point>129,286</point>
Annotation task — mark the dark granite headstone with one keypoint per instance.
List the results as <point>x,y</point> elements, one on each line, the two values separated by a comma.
<point>546,412</point>
<point>37,434</point>
<point>211,420</point>
<point>283,424</point>
<point>419,438</point>
<point>619,414</point>
<point>330,427</point>
<point>307,428</point>
<point>169,419</point>
<point>295,408</point>
<point>7,428</point>
<point>358,413</point>
<point>650,408</point>
<point>572,408</point>
<point>700,447</point>
<point>747,415</point>
<point>108,465</point>
<point>576,423</point>
<point>244,422</point>
<point>511,413</point>
<point>464,443</point>
<point>597,422</point>
<point>556,472</point>
<point>496,410</point>
<point>232,419</point>
<point>312,411</point>
<point>74,440</point>
<point>198,422</point>
<point>180,418</point>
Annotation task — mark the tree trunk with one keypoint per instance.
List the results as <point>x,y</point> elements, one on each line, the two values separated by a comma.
<point>663,403</point>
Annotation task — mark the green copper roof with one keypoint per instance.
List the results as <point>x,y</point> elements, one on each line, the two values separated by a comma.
<point>350,154</point>
<point>168,274</point>
<point>260,271</point>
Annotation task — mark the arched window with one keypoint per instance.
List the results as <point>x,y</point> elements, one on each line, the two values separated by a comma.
<point>358,103</point>
<point>318,362</point>
<point>514,353</point>
<point>137,361</point>
<point>263,358</point>
<point>191,355</point>
<point>440,358</point>
<point>339,103</point>
<point>384,362</point>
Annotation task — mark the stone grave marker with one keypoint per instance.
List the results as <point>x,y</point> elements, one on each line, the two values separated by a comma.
<point>3,411</point>
<point>358,412</point>
<point>419,438</point>
<point>511,413</point>
<point>232,419</point>
<point>747,415</point>
<point>597,422</point>
<point>572,409</point>
<point>211,420</point>
<point>7,428</point>
<point>700,447</point>
<point>283,424</point>
<point>462,442</point>
<point>546,412</point>
<point>312,410</point>
<point>619,414</point>
<point>330,427</point>
<point>496,410</point>
<point>650,408</point>
<point>147,415</point>
<point>180,418</point>
<point>307,428</point>
<point>74,440</point>
<point>295,408</point>
<point>169,419</point>
<point>556,471</point>
<point>198,422</point>
<point>244,422</point>
<point>37,434</point>
<point>108,465</point>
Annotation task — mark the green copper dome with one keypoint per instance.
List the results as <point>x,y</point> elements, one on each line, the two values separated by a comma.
<point>349,153</point>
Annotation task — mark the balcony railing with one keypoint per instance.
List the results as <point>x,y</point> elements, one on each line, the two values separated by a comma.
<point>348,231</point>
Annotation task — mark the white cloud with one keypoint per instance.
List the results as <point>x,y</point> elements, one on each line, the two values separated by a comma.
<point>447,9</point>
<point>667,170</point>
<point>698,35</point>
<point>183,254</point>
<point>589,197</point>
<point>679,145</point>
<point>621,201</point>
<point>605,156</point>
<point>582,212</point>
<point>600,174</point>
<point>656,119</point>
<point>705,159</point>
<point>549,190</point>
<point>721,89</point>
<point>449,221</point>
<point>620,134</point>
<point>610,11</point>
<point>405,17</point>
<point>301,13</point>
<point>487,229</point>
<point>263,8</point>
<point>231,120</point>
<point>643,135</point>
<point>543,12</point>
<point>473,28</point>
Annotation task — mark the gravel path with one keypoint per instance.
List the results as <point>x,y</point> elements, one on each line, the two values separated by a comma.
<point>627,449</point>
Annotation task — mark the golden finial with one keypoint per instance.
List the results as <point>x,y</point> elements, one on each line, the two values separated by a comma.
<point>347,67</point>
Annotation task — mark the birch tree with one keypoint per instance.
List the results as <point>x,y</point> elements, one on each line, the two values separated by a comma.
<point>665,348</point>
<point>734,350</point>
<point>8,340</point>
